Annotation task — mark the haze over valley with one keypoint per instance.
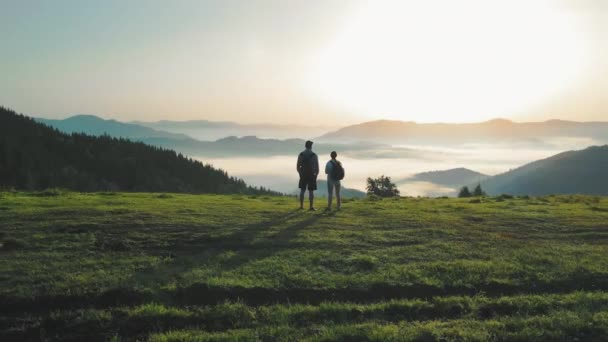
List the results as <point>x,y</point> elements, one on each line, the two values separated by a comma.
<point>410,153</point>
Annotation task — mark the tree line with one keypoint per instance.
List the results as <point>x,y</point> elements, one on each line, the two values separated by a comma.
<point>34,156</point>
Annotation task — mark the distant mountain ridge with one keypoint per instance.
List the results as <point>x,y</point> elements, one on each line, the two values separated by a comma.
<point>230,146</point>
<point>94,125</point>
<point>164,124</point>
<point>207,130</point>
<point>573,172</point>
<point>401,132</point>
<point>453,177</point>
<point>252,146</point>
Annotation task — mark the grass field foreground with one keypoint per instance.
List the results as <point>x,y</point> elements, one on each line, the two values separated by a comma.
<point>171,267</point>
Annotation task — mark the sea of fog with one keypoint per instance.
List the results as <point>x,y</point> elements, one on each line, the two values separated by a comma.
<point>279,172</point>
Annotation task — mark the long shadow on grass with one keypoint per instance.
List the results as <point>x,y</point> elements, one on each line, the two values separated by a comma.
<point>269,245</point>
<point>245,240</point>
<point>236,239</point>
<point>187,255</point>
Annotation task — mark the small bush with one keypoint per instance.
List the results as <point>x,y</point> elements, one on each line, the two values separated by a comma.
<point>164,196</point>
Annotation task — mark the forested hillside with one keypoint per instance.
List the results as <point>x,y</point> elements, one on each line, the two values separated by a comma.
<point>572,172</point>
<point>34,156</point>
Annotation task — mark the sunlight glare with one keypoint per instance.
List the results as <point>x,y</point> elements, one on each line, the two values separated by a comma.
<point>449,61</point>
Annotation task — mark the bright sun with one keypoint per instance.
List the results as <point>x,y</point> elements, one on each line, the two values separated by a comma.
<point>451,61</point>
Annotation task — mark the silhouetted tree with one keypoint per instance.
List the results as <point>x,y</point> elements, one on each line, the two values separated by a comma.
<point>464,192</point>
<point>478,191</point>
<point>382,187</point>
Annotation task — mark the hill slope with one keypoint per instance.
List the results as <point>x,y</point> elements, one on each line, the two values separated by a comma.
<point>573,172</point>
<point>139,267</point>
<point>35,156</point>
<point>452,177</point>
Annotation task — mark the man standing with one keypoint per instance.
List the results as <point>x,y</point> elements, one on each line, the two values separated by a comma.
<point>308,168</point>
<point>335,173</point>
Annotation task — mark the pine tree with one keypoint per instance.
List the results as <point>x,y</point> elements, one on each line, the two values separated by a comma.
<point>478,192</point>
<point>464,192</point>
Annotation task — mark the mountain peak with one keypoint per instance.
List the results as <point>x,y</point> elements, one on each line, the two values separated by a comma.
<point>499,121</point>
<point>89,117</point>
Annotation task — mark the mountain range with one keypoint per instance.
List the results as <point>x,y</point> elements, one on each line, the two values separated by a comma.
<point>206,130</point>
<point>231,146</point>
<point>494,131</point>
<point>580,171</point>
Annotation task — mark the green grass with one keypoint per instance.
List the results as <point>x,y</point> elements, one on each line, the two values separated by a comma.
<point>171,267</point>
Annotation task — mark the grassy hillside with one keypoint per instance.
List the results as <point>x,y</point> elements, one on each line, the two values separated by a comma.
<point>169,267</point>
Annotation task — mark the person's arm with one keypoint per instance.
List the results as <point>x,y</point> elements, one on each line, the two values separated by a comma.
<point>299,163</point>
<point>315,165</point>
<point>328,168</point>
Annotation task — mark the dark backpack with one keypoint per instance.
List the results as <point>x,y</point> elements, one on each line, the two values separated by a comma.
<point>337,172</point>
<point>306,164</point>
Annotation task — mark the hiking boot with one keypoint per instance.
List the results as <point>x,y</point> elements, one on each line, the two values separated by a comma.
<point>312,209</point>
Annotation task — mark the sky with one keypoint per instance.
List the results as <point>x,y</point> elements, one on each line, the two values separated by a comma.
<point>308,62</point>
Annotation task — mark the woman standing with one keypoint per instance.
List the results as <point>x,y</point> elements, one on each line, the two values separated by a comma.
<point>335,173</point>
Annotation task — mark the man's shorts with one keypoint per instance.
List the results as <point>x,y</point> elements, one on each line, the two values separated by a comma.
<point>308,182</point>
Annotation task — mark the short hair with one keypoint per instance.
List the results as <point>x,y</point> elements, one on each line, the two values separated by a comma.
<point>333,154</point>
<point>308,144</point>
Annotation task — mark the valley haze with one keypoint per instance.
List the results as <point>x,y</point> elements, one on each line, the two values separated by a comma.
<point>406,151</point>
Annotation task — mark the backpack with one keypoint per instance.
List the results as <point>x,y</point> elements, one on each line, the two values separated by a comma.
<point>337,172</point>
<point>306,164</point>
